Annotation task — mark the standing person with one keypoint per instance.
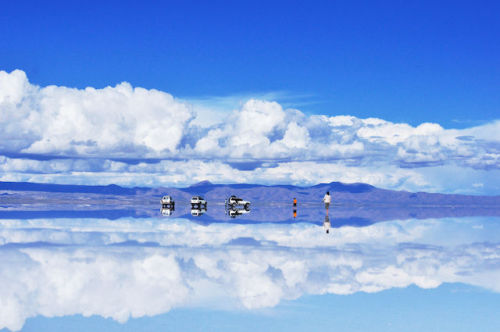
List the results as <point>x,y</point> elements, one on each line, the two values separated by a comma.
<point>327,200</point>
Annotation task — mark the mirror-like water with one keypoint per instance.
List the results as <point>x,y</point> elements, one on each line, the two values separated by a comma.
<point>56,265</point>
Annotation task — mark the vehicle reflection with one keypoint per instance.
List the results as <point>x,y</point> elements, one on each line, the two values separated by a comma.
<point>197,211</point>
<point>234,211</point>
<point>167,210</point>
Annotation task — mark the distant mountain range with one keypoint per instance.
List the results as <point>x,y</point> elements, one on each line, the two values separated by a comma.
<point>355,204</point>
<point>345,194</point>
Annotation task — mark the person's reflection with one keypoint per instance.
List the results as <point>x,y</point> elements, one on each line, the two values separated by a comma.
<point>326,224</point>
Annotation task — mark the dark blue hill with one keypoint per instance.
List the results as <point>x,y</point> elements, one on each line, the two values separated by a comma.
<point>196,189</point>
<point>343,187</point>
<point>111,189</point>
<point>203,187</point>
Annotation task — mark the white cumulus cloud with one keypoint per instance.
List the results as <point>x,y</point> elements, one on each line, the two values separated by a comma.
<point>118,120</point>
<point>136,123</point>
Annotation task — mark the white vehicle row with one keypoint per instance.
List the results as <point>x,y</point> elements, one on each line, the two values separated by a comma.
<point>235,206</point>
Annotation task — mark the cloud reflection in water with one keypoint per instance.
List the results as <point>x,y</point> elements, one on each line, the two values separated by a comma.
<point>143,267</point>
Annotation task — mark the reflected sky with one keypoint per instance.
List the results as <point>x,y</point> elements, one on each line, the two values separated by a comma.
<point>142,267</point>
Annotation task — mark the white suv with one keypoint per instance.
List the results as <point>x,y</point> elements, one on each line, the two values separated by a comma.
<point>198,200</point>
<point>167,200</point>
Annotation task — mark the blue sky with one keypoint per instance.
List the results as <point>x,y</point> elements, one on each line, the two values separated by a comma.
<point>398,95</point>
<point>407,62</point>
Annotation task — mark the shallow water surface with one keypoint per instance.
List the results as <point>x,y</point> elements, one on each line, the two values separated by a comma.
<point>267,269</point>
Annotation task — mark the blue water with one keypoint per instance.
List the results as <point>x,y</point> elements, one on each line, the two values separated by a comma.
<point>141,271</point>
